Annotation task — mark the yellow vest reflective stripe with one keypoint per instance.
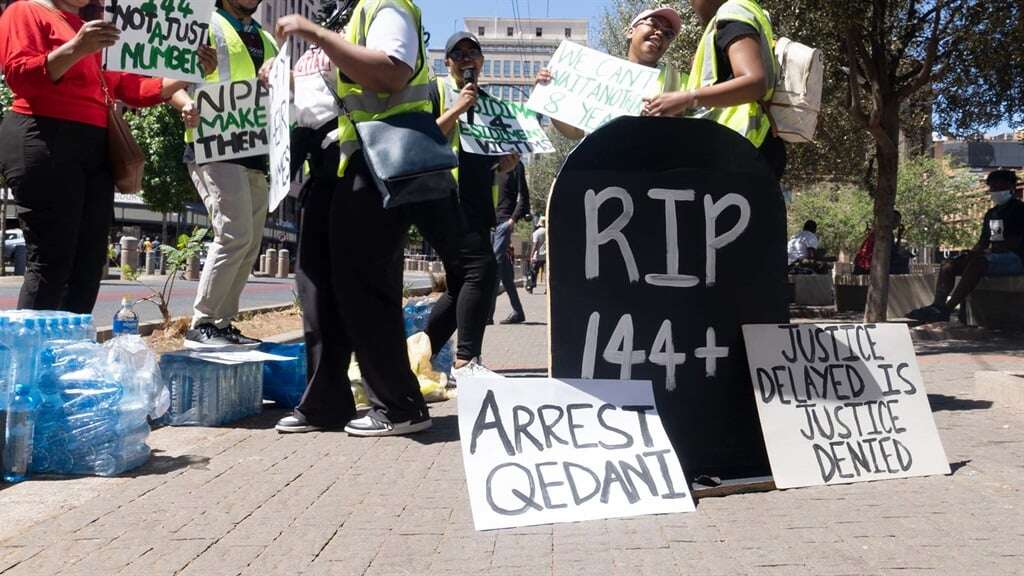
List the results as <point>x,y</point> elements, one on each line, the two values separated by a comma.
<point>362,105</point>
<point>233,60</point>
<point>446,88</point>
<point>749,120</point>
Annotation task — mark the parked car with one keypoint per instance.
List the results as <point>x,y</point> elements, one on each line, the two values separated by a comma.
<point>12,239</point>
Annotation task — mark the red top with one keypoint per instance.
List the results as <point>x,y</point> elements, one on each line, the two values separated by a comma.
<point>28,33</point>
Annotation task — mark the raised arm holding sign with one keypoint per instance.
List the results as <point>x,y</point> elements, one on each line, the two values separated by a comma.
<point>159,38</point>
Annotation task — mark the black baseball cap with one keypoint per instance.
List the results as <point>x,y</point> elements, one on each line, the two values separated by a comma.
<point>459,37</point>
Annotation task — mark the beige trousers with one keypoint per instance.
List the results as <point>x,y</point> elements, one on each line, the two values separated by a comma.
<point>236,201</point>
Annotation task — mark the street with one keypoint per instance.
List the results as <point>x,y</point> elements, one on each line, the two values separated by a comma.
<point>258,292</point>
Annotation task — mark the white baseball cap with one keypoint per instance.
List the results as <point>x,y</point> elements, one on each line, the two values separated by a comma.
<point>665,12</point>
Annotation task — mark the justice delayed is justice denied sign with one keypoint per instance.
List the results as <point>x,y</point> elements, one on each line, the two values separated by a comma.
<point>544,451</point>
<point>842,403</point>
<point>159,37</point>
<point>590,88</point>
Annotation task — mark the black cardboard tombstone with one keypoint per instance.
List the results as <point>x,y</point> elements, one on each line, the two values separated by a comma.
<point>625,196</point>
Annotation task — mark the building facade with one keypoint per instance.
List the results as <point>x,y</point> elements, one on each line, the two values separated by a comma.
<point>270,10</point>
<point>514,51</point>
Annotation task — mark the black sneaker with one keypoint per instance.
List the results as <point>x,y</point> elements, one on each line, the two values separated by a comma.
<point>930,314</point>
<point>207,337</point>
<point>234,335</point>
<point>295,423</point>
<point>514,318</point>
<point>370,426</point>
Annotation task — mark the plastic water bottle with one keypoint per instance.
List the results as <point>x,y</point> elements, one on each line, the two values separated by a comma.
<point>88,327</point>
<point>66,333</point>
<point>5,363</point>
<point>126,321</point>
<point>20,428</point>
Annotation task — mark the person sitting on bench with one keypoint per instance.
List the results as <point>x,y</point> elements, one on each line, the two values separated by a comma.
<point>999,251</point>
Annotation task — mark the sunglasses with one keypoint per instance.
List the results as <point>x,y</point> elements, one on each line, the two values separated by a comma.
<point>470,54</point>
<point>667,31</point>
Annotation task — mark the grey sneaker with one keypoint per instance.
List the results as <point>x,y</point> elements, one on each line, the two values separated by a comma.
<point>368,426</point>
<point>207,337</point>
<point>295,423</point>
<point>234,335</point>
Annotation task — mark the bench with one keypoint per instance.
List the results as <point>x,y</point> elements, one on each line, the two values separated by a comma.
<point>812,289</point>
<point>995,303</point>
<point>906,292</point>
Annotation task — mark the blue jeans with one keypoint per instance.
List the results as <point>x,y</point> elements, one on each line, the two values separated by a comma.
<point>1004,264</point>
<point>506,269</point>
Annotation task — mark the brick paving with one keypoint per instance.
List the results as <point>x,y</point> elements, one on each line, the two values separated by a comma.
<point>243,500</point>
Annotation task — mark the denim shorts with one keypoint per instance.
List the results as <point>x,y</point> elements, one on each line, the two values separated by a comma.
<point>1004,264</point>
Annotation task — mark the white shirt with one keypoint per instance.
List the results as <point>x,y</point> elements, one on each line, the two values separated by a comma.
<point>801,244</point>
<point>540,236</point>
<point>314,102</point>
<point>394,33</point>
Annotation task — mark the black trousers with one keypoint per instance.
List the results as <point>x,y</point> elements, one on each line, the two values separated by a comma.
<point>470,275</point>
<point>60,176</point>
<point>349,276</point>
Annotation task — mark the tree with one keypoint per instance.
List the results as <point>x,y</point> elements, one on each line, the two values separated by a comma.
<point>895,51</point>
<point>188,247</point>
<point>543,169</point>
<point>166,186</point>
<point>842,211</point>
<point>931,198</point>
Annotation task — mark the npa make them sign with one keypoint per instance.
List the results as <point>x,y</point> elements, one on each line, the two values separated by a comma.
<point>842,403</point>
<point>232,121</point>
<point>542,451</point>
<point>159,37</point>
<point>665,237</point>
<point>590,88</point>
<point>501,127</point>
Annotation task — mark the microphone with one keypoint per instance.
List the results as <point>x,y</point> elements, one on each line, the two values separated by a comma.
<point>469,77</point>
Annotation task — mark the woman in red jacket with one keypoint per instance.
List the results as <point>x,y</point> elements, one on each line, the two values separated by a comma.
<point>53,145</point>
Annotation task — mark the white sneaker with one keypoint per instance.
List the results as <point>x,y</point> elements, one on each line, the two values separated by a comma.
<point>368,426</point>
<point>474,369</point>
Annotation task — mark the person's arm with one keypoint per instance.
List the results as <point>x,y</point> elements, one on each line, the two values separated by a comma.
<point>371,69</point>
<point>523,194</point>
<point>92,37</point>
<point>749,84</point>
<point>449,119</point>
<point>544,77</point>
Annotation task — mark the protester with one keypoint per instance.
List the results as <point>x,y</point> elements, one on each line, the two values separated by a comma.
<point>999,251</point>
<point>803,250</point>
<point>899,259</point>
<point>53,145</point>
<point>649,36</point>
<point>538,255</point>
<point>235,192</point>
<point>513,206</point>
<point>733,72</point>
<point>382,51</point>
<point>467,302</point>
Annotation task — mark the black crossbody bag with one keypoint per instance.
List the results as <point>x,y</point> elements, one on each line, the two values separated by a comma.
<point>408,156</point>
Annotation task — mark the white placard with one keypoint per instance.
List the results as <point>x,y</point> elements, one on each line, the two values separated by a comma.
<point>590,88</point>
<point>842,403</point>
<point>158,37</point>
<point>232,121</point>
<point>544,451</point>
<point>280,128</point>
<point>500,127</point>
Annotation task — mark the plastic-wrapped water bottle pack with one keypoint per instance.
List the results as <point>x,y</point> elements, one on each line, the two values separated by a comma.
<point>77,407</point>
<point>208,393</point>
<point>416,312</point>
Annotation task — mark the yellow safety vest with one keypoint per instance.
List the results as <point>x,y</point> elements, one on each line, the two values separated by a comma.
<point>233,60</point>
<point>446,86</point>
<point>670,79</point>
<point>750,120</point>
<point>363,105</point>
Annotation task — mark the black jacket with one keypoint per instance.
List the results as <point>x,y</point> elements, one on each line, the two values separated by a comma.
<point>514,197</point>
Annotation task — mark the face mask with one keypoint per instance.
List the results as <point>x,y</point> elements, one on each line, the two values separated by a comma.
<point>1001,197</point>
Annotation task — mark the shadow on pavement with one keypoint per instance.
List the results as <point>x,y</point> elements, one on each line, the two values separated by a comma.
<point>524,373</point>
<point>159,464</point>
<point>943,403</point>
<point>444,430</point>
<point>955,467</point>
